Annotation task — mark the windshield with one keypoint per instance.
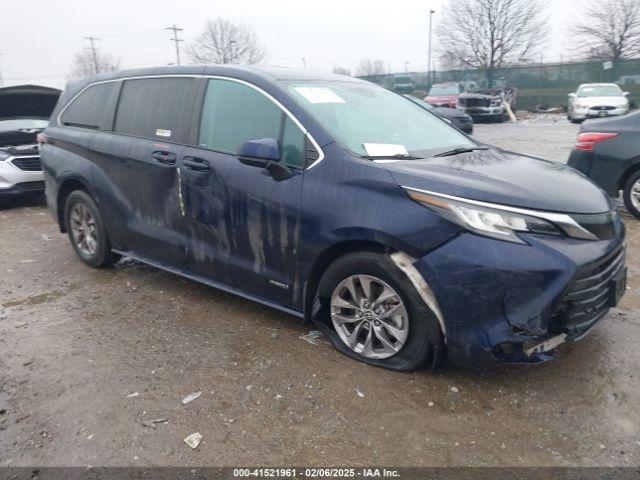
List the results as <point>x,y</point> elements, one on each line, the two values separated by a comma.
<point>22,124</point>
<point>600,91</point>
<point>364,113</point>
<point>438,90</point>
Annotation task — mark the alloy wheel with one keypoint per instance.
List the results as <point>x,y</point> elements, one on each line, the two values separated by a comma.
<point>369,316</point>
<point>84,229</point>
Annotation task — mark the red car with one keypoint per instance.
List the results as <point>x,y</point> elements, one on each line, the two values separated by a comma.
<point>444,94</point>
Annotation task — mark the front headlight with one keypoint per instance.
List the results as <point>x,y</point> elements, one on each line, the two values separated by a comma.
<point>496,102</point>
<point>580,106</point>
<point>483,219</point>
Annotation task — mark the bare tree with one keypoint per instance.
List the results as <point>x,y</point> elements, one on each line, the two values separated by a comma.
<point>368,67</point>
<point>84,64</point>
<point>223,41</point>
<point>610,30</point>
<point>342,71</point>
<point>490,34</point>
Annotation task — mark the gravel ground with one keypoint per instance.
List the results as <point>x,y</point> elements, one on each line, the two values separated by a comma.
<point>90,358</point>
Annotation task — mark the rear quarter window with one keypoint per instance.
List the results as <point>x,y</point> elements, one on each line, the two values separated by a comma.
<point>155,108</point>
<point>88,109</point>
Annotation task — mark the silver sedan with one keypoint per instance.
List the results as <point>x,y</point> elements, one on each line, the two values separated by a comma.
<point>597,100</point>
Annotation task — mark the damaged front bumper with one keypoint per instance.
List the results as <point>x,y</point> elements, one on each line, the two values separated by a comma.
<point>515,303</point>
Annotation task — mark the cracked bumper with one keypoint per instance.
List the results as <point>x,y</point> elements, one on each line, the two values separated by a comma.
<point>512,303</point>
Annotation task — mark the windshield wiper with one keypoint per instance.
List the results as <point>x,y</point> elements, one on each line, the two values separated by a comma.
<point>458,151</point>
<point>397,156</point>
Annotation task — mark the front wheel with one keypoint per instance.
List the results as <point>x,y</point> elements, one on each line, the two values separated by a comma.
<point>374,313</point>
<point>87,231</point>
<point>631,195</point>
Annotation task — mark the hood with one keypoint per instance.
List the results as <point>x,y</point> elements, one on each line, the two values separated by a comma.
<point>27,101</point>
<point>479,95</point>
<point>607,101</point>
<point>441,99</point>
<point>504,178</point>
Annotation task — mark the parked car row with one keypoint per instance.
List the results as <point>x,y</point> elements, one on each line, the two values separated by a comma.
<point>480,105</point>
<point>338,201</point>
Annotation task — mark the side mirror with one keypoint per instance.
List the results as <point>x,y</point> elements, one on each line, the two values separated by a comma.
<point>626,94</point>
<point>264,153</point>
<point>572,95</point>
<point>259,152</point>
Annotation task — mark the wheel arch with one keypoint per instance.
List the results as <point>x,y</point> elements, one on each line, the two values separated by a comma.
<point>325,259</point>
<point>631,169</point>
<point>68,186</point>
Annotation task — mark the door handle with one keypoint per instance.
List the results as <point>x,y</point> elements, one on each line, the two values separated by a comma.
<point>164,158</point>
<point>196,164</point>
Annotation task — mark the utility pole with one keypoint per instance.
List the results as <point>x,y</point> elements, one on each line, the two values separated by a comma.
<point>94,53</point>
<point>406,66</point>
<point>176,40</point>
<point>304,63</point>
<point>431,12</point>
<point>1,81</point>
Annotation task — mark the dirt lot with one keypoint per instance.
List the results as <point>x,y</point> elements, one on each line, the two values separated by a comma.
<point>89,358</point>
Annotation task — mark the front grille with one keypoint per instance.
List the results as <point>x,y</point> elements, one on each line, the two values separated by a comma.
<point>603,107</point>
<point>31,185</point>
<point>589,298</point>
<point>477,102</point>
<point>28,164</point>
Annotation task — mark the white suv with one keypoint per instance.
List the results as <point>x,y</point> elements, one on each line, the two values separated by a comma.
<point>596,100</point>
<point>24,112</point>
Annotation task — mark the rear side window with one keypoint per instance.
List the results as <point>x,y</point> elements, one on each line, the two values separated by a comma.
<point>234,113</point>
<point>154,107</point>
<point>88,109</point>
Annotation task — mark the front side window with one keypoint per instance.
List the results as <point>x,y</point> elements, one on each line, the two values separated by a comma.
<point>360,113</point>
<point>154,107</point>
<point>234,113</point>
<point>87,110</point>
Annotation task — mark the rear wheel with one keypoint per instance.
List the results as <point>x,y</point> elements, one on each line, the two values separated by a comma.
<point>87,231</point>
<point>374,313</point>
<point>631,195</point>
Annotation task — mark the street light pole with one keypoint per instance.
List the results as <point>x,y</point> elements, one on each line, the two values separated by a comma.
<point>406,66</point>
<point>431,12</point>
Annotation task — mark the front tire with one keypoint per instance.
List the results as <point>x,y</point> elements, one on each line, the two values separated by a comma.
<point>631,195</point>
<point>87,232</point>
<point>373,313</point>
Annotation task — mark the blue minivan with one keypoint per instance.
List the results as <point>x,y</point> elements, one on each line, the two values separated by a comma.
<point>405,241</point>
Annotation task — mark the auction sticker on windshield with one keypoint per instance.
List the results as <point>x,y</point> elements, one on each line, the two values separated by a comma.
<point>319,95</point>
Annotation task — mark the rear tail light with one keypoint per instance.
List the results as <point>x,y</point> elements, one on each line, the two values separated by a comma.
<point>588,141</point>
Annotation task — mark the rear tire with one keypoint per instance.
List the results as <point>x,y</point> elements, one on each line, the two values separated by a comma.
<point>631,194</point>
<point>87,231</point>
<point>407,313</point>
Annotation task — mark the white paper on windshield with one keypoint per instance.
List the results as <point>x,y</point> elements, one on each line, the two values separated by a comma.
<point>384,149</point>
<point>319,95</point>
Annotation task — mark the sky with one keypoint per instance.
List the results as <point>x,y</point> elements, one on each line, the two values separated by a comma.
<point>39,38</point>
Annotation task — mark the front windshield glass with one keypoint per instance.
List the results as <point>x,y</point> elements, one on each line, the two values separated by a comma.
<point>439,90</point>
<point>22,124</point>
<point>359,113</point>
<point>600,91</point>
